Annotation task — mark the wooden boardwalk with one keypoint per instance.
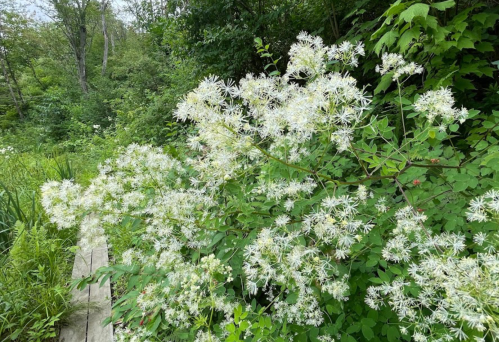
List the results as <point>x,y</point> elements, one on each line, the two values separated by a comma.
<point>86,324</point>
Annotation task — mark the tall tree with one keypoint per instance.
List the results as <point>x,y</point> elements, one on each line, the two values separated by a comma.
<point>9,85</point>
<point>10,34</point>
<point>103,7</point>
<point>72,14</point>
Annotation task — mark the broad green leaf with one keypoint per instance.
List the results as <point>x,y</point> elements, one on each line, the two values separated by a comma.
<point>465,43</point>
<point>393,334</point>
<point>442,6</point>
<point>367,332</point>
<point>384,83</point>
<point>480,17</point>
<point>416,10</point>
<point>386,40</point>
<point>408,36</point>
<point>368,322</point>
<point>485,47</point>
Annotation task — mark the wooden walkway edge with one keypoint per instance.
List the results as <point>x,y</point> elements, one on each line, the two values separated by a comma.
<point>86,324</point>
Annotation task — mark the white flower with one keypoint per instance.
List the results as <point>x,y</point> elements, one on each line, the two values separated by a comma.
<point>282,220</point>
<point>440,104</point>
<point>347,53</point>
<point>396,63</point>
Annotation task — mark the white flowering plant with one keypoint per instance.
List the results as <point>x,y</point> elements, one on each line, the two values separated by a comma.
<point>299,213</point>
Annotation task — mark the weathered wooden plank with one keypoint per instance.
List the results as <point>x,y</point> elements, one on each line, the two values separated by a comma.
<point>100,302</point>
<point>76,330</point>
<point>86,324</point>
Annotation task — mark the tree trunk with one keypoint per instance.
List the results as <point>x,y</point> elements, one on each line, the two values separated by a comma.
<point>336,28</point>
<point>112,43</point>
<point>81,59</point>
<point>104,31</point>
<point>11,91</point>
<point>30,64</point>
<point>14,79</point>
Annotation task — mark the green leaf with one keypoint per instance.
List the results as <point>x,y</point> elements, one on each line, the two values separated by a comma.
<point>442,6</point>
<point>408,36</point>
<point>465,43</point>
<point>480,17</point>
<point>395,270</point>
<point>367,332</point>
<point>393,334</point>
<point>216,239</point>
<point>353,328</point>
<point>383,276</point>
<point>485,47</point>
<point>368,322</point>
<point>416,10</point>
<point>386,40</point>
<point>385,82</point>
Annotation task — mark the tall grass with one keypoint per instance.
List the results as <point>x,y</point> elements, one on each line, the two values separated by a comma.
<point>34,295</point>
<point>11,211</point>
<point>35,257</point>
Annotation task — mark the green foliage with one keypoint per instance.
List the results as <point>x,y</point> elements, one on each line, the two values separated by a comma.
<point>33,296</point>
<point>36,258</point>
<point>12,211</point>
<point>456,44</point>
<point>220,34</point>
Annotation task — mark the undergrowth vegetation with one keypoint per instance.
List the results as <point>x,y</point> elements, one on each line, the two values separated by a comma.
<point>36,259</point>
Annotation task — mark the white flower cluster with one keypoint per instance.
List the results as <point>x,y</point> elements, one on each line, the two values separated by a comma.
<point>308,57</point>
<point>142,182</point>
<point>381,206</point>
<point>232,121</point>
<point>7,151</point>
<point>482,208</point>
<point>278,259</point>
<point>347,53</point>
<point>334,224</point>
<point>128,335</point>
<point>440,104</point>
<point>455,291</point>
<point>282,257</point>
<point>458,293</point>
<point>187,290</point>
<point>61,201</point>
<point>394,62</point>
<point>410,234</point>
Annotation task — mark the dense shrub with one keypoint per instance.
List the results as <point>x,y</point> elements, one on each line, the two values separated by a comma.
<point>301,213</point>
